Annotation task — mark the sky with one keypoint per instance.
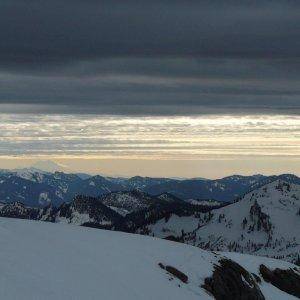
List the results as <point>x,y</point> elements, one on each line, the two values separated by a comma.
<point>157,88</point>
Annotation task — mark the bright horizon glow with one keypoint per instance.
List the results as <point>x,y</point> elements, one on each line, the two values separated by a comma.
<point>180,143</point>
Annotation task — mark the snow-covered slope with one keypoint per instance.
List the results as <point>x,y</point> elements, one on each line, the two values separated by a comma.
<point>41,260</point>
<point>82,210</point>
<point>127,202</point>
<point>209,203</point>
<point>167,197</point>
<point>175,226</point>
<point>123,211</point>
<point>39,189</point>
<point>264,222</point>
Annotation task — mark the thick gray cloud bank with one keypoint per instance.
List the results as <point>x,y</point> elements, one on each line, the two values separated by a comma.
<point>150,57</point>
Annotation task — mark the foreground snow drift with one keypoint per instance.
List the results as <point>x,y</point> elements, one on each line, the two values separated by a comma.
<point>56,261</point>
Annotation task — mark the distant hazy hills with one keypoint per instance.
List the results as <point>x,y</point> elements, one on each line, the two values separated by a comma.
<point>38,188</point>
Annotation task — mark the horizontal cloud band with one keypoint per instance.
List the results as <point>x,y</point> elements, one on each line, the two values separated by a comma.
<point>177,137</point>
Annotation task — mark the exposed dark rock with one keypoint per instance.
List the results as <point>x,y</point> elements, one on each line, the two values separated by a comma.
<point>174,239</point>
<point>19,210</point>
<point>175,272</point>
<point>261,221</point>
<point>96,225</point>
<point>257,278</point>
<point>230,281</point>
<point>286,280</point>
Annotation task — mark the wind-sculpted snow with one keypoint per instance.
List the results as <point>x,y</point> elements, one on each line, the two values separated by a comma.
<point>40,260</point>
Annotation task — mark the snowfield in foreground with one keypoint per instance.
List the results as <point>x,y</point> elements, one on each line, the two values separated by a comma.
<point>56,261</point>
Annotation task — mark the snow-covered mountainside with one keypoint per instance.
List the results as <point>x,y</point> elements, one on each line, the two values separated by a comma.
<point>209,203</point>
<point>38,188</point>
<point>82,210</point>
<point>124,211</point>
<point>264,222</point>
<point>168,198</point>
<point>40,260</point>
<point>140,183</point>
<point>127,202</point>
<point>18,210</point>
<point>225,189</point>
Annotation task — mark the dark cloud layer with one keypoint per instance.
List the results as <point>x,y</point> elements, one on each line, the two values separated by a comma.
<point>150,56</point>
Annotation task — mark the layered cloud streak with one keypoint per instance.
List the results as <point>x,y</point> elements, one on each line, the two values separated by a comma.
<point>177,137</point>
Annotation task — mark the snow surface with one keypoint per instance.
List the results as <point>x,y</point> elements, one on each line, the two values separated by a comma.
<point>127,202</point>
<point>173,226</point>
<point>56,261</point>
<point>204,202</point>
<point>44,198</point>
<point>279,201</point>
<point>272,229</point>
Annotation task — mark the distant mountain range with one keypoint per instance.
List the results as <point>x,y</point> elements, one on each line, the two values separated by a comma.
<point>38,188</point>
<point>265,221</point>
